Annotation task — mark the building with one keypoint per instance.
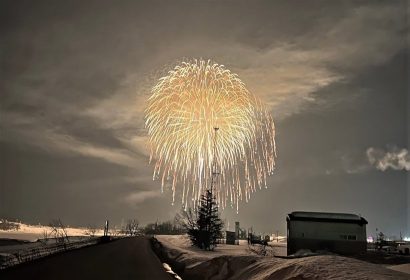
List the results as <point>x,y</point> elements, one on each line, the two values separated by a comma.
<point>230,237</point>
<point>334,232</point>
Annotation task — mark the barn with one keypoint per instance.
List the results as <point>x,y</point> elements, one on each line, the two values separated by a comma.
<point>335,232</point>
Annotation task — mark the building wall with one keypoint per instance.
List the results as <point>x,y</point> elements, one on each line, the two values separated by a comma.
<point>326,231</point>
<point>344,238</point>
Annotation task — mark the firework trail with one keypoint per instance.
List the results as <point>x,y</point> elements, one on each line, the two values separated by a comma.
<point>182,112</point>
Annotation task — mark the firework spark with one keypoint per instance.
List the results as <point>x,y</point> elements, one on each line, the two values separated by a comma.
<point>183,110</point>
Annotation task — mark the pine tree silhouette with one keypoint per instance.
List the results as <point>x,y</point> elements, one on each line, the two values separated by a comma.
<point>205,232</point>
<point>209,225</point>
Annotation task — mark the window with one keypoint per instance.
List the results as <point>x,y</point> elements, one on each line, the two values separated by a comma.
<point>351,237</point>
<point>348,237</point>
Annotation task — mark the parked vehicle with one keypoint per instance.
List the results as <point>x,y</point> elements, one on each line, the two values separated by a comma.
<point>389,249</point>
<point>404,249</point>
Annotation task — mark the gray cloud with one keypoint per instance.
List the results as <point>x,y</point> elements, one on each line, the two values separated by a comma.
<point>394,158</point>
<point>52,140</point>
<point>140,196</point>
<point>75,78</point>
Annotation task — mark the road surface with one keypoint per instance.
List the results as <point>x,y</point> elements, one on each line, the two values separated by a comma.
<point>128,258</point>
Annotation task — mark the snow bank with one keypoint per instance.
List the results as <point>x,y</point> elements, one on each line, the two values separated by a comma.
<point>21,242</point>
<point>16,254</point>
<point>238,263</point>
<point>182,245</point>
<point>401,267</point>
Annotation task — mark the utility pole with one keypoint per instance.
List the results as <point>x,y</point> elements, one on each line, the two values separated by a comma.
<point>214,173</point>
<point>214,167</point>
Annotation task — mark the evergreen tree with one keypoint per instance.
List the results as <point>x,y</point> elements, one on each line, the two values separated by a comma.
<point>209,225</point>
<point>203,225</point>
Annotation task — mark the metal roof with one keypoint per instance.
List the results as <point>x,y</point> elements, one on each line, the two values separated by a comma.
<point>326,217</point>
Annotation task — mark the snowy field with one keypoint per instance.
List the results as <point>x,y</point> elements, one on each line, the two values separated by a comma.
<point>241,262</point>
<point>35,232</point>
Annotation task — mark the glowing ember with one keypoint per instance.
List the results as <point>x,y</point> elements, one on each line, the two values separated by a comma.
<point>185,107</point>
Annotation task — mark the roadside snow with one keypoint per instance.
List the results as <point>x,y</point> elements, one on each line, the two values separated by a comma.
<point>237,262</point>
<point>24,242</point>
<point>16,254</point>
<point>11,249</point>
<point>401,267</point>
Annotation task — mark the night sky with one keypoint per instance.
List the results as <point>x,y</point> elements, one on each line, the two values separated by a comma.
<point>75,76</point>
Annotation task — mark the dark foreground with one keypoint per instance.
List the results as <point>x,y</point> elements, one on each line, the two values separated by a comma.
<point>129,258</point>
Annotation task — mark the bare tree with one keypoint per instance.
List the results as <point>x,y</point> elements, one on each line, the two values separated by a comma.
<point>7,225</point>
<point>91,230</point>
<point>45,238</point>
<point>261,250</point>
<point>131,228</point>
<point>59,231</point>
<point>116,232</point>
<point>187,219</point>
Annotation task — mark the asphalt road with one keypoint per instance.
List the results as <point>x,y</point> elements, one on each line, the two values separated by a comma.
<point>129,258</point>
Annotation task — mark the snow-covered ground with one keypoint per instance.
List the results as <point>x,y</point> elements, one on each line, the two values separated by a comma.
<point>34,232</point>
<point>24,242</point>
<point>182,243</point>
<point>239,262</point>
<point>12,248</point>
<point>26,251</point>
<point>401,267</point>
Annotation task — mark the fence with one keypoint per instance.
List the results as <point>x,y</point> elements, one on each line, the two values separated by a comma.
<point>24,255</point>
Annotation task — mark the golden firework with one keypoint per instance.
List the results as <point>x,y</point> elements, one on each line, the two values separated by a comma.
<point>183,110</point>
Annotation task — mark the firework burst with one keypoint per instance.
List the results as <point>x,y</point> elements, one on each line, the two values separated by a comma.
<point>182,113</point>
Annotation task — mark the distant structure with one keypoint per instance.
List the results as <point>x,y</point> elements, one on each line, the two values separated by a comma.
<point>230,238</point>
<point>237,231</point>
<point>243,234</point>
<point>334,232</point>
<point>106,228</point>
